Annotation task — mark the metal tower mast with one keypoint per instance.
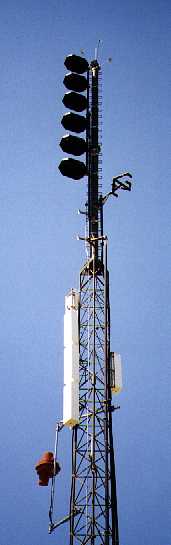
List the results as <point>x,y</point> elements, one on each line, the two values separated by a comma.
<point>93,491</point>
<point>93,512</point>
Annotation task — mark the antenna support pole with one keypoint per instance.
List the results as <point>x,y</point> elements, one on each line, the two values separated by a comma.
<point>93,171</point>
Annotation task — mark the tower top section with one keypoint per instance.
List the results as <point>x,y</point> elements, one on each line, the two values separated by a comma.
<point>82,144</point>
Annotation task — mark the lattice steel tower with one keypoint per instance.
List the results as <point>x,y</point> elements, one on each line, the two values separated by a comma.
<point>93,508</point>
<point>93,512</point>
<point>93,468</point>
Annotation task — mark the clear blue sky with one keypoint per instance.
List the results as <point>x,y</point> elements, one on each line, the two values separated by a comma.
<point>40,257</point>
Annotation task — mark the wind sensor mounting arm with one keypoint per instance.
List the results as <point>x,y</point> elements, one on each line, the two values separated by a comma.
<point>118,182</point>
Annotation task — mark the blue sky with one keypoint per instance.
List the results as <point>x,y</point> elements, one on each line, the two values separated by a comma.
<point>41,258</point>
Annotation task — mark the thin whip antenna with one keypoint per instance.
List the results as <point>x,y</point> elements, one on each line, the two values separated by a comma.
<point>97,49</point>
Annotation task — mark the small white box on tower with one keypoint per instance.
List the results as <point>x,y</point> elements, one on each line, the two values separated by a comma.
<point>115,372</point>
